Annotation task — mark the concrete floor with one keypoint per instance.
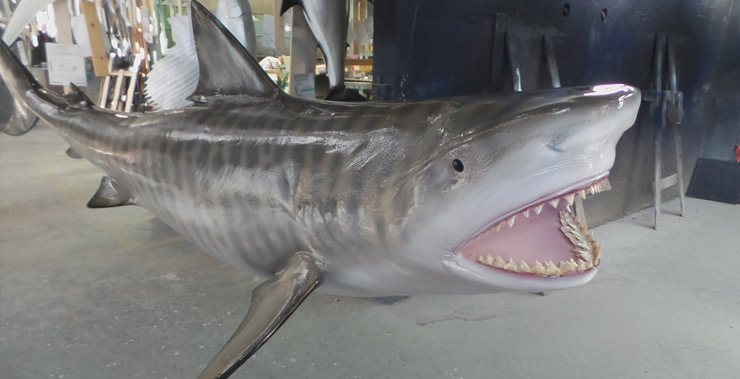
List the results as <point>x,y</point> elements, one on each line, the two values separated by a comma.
<point>114,293</point>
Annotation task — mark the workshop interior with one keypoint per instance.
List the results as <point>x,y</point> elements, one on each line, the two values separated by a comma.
<point>398,157</point>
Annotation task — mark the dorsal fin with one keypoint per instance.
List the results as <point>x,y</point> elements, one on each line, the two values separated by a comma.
<point>110,194</point>
<point>287,4</point>
<point>226,68</point>
<point>79,96</point>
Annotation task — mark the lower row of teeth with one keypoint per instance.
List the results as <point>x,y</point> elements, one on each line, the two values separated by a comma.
<point>586,250</point>
<point>539,268</point>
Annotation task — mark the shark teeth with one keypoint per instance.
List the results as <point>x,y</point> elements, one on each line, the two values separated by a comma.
<point>568,266</point>
<point>551,269</point>
<point>498,262</point>
<point>568,198</point>
<point>538,268</point>
<point>548,268</point>
<point>584,243</point>
<point>511,266</point>
<point>524,267</point>
<point>603,185</point>
<point>586,250</point>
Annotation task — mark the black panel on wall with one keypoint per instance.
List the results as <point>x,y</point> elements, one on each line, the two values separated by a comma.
<point>439,48</point>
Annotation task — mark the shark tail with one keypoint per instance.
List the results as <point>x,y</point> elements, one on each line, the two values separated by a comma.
<point>31,100</point>
<point>19,121</point>
<point>15,120</point>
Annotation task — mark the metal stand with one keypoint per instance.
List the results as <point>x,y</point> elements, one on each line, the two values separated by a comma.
<point>513,53</point>
<point>666,108</point>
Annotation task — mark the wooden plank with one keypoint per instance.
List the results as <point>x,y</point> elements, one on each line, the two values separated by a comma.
<point>668,182</point>
<point>63,23</point>
<point>358,62</point>
<point>130,93</point>
<point>279,26</point>
<point>302,49</point>
<point>117,90</point>
<point>99,55</point>
<point>210,4</point>
<point>104,92</point>
<point>356,26</point>
<point>263,7</point>
<point>134,77</point>
<point>64,29</point>
<point>103,102</point>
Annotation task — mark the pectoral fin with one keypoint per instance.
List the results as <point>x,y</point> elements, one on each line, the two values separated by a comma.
<point>109,194</point>
<point>272,303</point>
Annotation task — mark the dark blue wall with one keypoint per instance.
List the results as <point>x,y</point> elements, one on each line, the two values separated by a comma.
<point>439,48</point>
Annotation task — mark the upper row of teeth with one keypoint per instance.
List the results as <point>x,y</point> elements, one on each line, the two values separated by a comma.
<point>569,198</point>
<point>539,268</point>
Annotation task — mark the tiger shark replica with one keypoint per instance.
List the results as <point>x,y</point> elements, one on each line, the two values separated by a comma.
<point>466,195</point>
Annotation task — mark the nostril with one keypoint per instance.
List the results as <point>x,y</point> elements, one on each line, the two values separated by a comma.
<point>555,147</point>
<point>556,142</point>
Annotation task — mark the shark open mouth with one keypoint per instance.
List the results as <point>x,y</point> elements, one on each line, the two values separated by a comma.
<point>544,239</point>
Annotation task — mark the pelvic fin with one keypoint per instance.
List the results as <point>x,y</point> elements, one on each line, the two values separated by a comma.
<point>110,194</point>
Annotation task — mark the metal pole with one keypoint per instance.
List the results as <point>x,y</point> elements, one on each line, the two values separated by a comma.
<point>659,117</point>
<point>677,98</point>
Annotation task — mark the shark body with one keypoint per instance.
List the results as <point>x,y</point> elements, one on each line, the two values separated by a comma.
<point>463,195</point>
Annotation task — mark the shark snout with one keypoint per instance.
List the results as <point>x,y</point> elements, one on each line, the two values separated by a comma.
<point>597,119</point>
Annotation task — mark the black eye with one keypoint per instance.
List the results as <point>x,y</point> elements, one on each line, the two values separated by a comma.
<point>458,165</point>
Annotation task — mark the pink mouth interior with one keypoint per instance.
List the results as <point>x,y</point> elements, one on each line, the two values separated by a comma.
<point>544,239</point>
<point>537,238</point>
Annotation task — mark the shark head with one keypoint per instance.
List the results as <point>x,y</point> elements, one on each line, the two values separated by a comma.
<point>497,206</point>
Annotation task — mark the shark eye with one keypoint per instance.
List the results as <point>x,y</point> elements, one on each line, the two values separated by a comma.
<point>458,165</point>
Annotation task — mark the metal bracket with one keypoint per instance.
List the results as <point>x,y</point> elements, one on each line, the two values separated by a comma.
<point>666,109</point>
<point>512,51</point>
<point>551,61</point>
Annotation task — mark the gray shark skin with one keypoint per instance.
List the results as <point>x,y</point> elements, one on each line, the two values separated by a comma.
<point>14,120</point>
<point>454,196</point>
<point>328,21</point>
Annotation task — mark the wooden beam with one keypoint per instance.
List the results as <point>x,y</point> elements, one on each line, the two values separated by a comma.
<point>263,7</point>
<point>302,49</point>
<point>356,26</point>
<point>62,22</point>
<point>99,55</point>
<point>279,26</point>
<point>358,62</point>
